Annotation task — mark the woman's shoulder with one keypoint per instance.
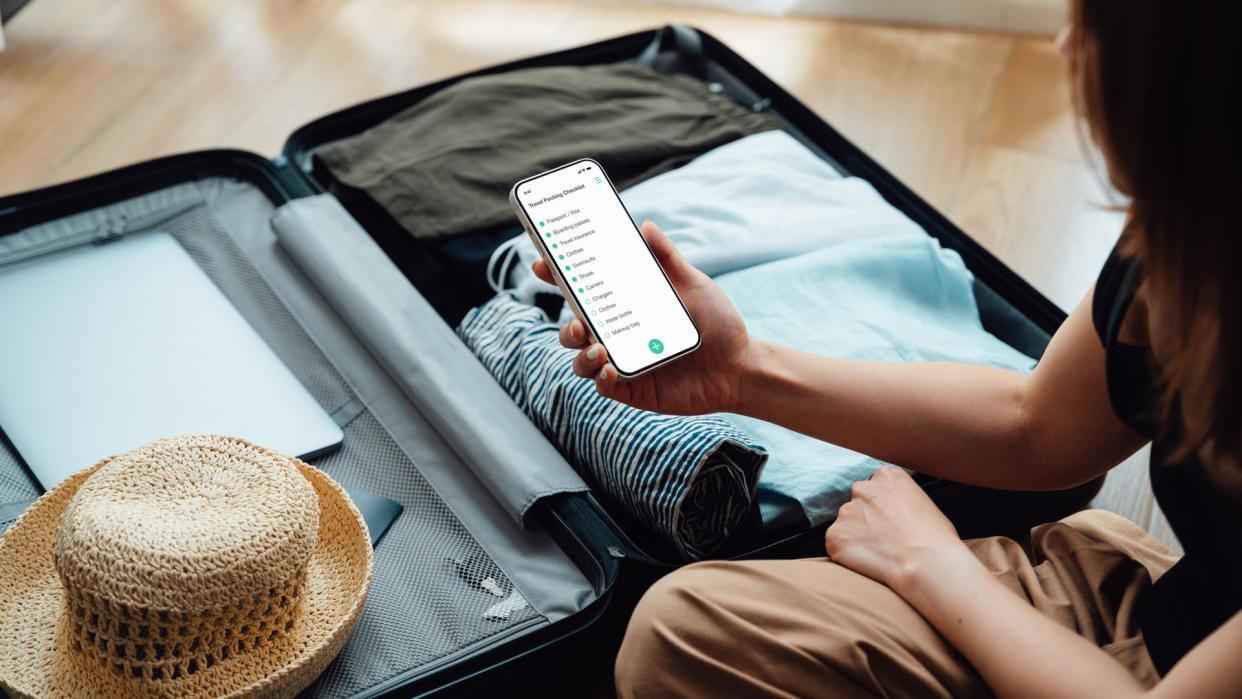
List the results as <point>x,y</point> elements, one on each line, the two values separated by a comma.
<point>1115,292</point>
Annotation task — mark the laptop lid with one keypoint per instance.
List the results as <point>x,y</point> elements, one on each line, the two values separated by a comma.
<point>107,347</point>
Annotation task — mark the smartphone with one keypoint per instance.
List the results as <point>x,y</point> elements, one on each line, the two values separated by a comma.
<point>603,266</point>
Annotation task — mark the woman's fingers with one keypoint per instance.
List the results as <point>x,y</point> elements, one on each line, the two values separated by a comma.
<point>540,268</point>
<point>589,361</point>
<point>573,334</point>
<point>607,382</point>
<point>592,363</point>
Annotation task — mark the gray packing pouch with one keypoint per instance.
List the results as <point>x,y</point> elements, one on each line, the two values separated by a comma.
<point>435,370</point>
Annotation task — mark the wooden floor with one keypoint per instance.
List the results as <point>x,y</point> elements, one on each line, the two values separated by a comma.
<point>979,124</point>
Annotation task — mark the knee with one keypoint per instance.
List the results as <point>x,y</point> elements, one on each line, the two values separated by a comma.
<point>772,628</point>
<point>668,627</point>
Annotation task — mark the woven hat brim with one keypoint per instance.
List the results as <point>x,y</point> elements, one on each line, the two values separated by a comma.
<point>37,659</point>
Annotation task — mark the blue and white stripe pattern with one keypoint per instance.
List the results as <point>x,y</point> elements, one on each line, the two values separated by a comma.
<point>690,479</point>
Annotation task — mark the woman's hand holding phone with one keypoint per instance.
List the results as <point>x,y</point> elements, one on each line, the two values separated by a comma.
<point>705,381</point>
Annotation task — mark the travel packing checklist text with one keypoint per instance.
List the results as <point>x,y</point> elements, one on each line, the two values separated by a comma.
<point>605,264</point>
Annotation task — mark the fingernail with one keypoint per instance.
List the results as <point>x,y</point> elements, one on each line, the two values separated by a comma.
<point>593,353</point>
<point>603,373</point>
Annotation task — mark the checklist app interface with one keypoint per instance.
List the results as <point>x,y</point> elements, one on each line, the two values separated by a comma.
<point>605,264</point>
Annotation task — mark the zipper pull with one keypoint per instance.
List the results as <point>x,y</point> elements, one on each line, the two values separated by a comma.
<point>111,230</point>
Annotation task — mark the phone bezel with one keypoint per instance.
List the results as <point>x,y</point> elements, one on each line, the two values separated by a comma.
<point>563,283</point>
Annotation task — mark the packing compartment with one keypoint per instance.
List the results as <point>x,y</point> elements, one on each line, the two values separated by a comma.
<point>455,573</point>
<point>1009,307</point>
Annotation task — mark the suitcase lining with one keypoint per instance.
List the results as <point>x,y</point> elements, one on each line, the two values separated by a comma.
<point>436,590</point>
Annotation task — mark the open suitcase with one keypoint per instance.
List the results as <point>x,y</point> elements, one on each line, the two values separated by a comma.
<point>474,510</point>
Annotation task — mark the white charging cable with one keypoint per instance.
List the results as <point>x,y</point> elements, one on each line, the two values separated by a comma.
<point>500,264</point>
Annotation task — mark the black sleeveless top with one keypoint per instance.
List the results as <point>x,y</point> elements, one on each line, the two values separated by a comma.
<point>1204,589</point>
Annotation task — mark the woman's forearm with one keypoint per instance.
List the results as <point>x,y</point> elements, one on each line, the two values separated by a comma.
<point>1020,653</point>
<point>1053,428</point>
<point>954,421</point>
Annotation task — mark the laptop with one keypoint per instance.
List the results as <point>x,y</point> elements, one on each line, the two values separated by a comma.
<point>107,347</point>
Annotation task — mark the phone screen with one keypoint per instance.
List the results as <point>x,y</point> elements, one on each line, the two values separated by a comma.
<point>605,266</point>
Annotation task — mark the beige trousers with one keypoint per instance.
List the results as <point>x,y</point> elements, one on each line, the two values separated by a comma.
<point>811,628</point>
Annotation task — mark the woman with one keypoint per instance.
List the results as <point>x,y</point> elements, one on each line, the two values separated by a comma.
<point>1096,608</point>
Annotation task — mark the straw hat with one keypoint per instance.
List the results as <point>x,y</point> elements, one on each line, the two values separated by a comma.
<point>195,566</point>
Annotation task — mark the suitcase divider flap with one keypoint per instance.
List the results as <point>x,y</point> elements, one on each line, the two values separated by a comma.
<point>433,367</point>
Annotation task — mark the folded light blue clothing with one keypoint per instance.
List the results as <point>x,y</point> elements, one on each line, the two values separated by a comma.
<point>691,480</point>
<point>761,198</point>
<point>888,299</point>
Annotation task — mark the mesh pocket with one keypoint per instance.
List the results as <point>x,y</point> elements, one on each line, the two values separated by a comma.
<point>430,594</point>
<point>17,487</point>
<point>202,235</point>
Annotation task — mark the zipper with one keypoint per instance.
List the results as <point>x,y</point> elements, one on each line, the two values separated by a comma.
<point>113,228</point>
<point>805,534</point>
<point>449,660</point>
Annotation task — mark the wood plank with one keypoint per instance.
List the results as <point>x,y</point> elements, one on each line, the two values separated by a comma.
<point>1056,233</point>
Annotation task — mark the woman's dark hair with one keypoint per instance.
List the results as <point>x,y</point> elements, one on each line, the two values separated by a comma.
<point>1155,80</point>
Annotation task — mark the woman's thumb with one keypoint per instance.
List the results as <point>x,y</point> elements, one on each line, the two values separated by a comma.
<point>675,266</point>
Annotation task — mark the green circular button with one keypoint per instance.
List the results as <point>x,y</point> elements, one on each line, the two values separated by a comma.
<point>655,346</point>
